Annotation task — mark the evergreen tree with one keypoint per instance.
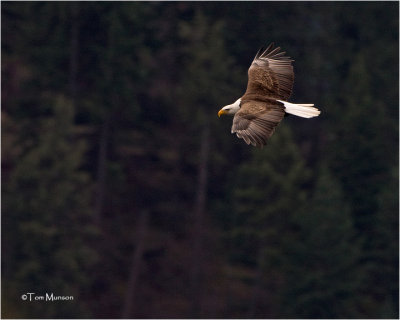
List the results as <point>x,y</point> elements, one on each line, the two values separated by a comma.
<point>386,248</point>
<point>362,165</point>
<point>360,160</point>
<point>268,192</point>
<point>48,221</point>
<point>207,71</point>
<point>322,266</point>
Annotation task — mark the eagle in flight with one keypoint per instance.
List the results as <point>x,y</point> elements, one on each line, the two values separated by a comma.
<point>264,104</point>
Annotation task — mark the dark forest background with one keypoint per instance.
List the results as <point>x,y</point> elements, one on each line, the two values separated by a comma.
<point>122,188</point>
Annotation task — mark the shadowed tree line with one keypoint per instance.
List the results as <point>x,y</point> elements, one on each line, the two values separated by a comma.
<point>122,188</point>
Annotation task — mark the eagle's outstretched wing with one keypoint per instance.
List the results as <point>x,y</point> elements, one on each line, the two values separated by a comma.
<point>256,121</point>
<point>270,74</point>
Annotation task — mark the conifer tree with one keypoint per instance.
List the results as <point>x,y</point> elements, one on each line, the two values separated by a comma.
<point>48,220</point>
<point>322,266</point>
<point>361,157</point>
<point>268,193</point>
<point>386,248</point>
<point>207,69</point>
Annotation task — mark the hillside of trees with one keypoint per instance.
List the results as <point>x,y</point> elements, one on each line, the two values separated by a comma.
<point>122,188</point>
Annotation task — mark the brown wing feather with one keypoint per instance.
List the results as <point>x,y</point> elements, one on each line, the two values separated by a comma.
<point>256,121</point>
<point>270,74</point>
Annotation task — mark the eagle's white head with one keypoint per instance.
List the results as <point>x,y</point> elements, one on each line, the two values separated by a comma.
<point>230,108</point>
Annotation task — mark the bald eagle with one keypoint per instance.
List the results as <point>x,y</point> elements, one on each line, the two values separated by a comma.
<point>264,104</point>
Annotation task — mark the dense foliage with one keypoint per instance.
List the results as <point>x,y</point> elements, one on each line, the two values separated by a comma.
<point>123,189</point>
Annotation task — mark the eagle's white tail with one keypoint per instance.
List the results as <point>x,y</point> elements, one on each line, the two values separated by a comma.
<point>301,109</point>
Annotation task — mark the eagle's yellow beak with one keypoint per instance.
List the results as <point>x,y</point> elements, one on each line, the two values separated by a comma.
<point>222,111</point>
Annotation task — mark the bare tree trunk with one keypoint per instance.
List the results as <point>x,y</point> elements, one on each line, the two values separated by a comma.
<point>265,289</point>
<point>257,287</point>
<point>198,225</point>
<point>74,52</point>
<point>137,257</point>
<point>105,130</point>
<point>101,172</point>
